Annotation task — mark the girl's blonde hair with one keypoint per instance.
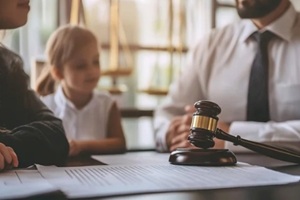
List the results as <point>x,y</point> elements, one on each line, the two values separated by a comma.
<point>60,48</point>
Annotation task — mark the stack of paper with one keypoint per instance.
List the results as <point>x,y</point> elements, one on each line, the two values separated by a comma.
<point>17,184</point>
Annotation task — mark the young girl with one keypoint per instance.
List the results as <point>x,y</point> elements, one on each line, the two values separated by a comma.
<point>91,119</point>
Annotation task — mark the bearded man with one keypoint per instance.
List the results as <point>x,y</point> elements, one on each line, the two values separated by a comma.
<point>251,69</point>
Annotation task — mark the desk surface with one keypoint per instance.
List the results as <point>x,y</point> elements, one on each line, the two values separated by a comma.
<point>281,192</point>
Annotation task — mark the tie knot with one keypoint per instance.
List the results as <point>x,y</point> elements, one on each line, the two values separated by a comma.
<point>263,38</point>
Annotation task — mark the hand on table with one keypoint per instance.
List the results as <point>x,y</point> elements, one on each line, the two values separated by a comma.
<point>179,129</point>
<point>75,148</point>
<point>8,157</point>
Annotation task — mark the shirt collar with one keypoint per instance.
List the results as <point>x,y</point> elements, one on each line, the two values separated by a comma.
<point>62,101</point>
<point>282,26</point>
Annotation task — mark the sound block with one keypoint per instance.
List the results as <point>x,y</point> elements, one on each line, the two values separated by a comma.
<point>202,157</point>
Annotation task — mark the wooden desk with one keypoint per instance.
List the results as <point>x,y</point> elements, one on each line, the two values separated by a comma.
<point>136,112</point>
<point>281,192</point>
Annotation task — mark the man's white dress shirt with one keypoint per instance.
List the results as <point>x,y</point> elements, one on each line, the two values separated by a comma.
<point>218,70</point>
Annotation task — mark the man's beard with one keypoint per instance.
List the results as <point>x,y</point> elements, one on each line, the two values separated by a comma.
<point>256,8</point>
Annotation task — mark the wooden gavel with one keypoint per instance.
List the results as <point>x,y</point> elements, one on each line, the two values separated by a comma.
<point>202,132</point>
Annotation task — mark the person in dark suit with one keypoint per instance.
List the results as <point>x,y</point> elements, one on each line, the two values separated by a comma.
<point>29,132</point>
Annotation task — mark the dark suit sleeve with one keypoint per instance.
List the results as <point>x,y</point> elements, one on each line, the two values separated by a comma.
<point>39,138</point>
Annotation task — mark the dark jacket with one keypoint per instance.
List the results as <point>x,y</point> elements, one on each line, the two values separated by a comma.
<point>26,124</point>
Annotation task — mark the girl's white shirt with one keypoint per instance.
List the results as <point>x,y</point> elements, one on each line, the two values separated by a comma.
<point>90,122</point>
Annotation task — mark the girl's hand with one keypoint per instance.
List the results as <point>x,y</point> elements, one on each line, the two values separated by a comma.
<point>75,148</point>
<point>8,157</point>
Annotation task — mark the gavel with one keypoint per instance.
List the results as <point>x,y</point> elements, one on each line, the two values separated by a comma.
<point>202,132</point>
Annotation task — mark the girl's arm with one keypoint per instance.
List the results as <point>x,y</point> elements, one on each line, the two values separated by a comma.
<point>114,143</point>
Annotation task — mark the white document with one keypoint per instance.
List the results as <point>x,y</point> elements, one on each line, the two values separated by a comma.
<point>105,180</point>
<point>147,157</point>
<point>23,184</point>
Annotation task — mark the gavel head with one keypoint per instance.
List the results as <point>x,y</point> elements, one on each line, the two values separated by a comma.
<point>204,124</point>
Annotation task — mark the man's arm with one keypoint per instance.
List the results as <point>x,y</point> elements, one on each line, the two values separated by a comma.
<point>189,88</point>
<point>282,134</point>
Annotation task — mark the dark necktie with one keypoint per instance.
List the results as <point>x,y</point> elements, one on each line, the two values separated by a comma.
<point>258,95</point>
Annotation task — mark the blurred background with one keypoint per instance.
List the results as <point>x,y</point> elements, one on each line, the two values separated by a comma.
<point>144,47</point>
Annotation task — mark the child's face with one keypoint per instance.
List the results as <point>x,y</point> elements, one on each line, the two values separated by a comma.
<point>81,73</point>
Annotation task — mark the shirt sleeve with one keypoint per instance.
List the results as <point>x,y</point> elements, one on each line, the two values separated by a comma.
<point>271,132</point>
<point>40,138</point>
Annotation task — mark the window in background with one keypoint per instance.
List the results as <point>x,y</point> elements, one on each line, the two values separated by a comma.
<point>223,13</point>
<point>29,40</point>
<point>153,37</point>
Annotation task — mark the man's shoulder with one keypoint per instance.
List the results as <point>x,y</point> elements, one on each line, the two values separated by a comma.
<point>223,35</point>
<point>228,30</point>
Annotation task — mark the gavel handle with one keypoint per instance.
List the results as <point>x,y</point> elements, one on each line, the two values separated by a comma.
<point>268,150</point>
